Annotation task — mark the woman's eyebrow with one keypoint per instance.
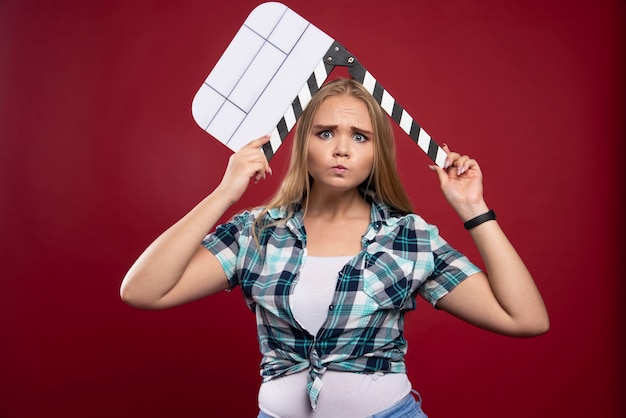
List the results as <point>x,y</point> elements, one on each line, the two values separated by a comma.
<point>324,127</point>
<point>334,127</point>
<point>363,131</point>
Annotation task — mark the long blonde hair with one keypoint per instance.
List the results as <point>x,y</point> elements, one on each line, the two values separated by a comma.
<point>383,179</point>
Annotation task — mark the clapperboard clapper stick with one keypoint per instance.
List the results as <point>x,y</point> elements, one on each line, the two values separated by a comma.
<point>267,75</point>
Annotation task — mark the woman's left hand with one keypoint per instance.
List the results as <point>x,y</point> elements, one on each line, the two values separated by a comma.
<point>507,301</point>
<point>461,182</point>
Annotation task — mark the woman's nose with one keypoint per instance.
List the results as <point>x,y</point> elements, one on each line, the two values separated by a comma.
<point>341,147</point>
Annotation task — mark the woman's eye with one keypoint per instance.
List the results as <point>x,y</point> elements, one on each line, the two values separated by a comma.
<point>325,134</point>
<point>360,138</point>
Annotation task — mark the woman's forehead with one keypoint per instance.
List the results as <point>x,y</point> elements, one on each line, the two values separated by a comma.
<point>342,109</point>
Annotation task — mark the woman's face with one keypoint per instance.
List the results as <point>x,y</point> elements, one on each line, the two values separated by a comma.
<point>341,145</point>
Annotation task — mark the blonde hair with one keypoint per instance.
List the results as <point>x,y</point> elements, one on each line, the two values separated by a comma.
<point>383,179</point>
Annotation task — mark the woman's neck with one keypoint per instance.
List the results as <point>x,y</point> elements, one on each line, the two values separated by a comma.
<point>335,222</point>
<point>332,204</point>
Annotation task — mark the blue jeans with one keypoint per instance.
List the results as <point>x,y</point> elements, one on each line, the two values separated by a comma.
<point>406,408</point>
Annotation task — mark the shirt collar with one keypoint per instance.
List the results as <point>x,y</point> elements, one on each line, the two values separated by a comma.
<point>381,212</point>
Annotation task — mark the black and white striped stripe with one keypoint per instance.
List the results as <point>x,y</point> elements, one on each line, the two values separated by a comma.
<point>398,114</point>
<point>382,96</point>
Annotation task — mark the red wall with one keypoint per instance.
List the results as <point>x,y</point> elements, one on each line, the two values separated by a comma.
<point>100,154</point>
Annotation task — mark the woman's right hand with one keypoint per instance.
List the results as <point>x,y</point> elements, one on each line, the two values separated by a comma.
<point>243,165</point>
<point>176,268</point>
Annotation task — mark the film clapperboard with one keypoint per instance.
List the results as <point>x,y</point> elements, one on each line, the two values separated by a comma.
<point>266,76</point>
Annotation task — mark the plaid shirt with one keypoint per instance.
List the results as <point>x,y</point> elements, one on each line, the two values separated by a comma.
<point>401,256</point>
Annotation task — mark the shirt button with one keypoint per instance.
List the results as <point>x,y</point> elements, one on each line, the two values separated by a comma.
<point>331,307</point>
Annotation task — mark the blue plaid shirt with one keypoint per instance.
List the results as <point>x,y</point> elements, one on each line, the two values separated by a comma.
<point>401,256</point>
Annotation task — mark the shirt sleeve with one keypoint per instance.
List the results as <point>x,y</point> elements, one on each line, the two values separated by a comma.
<point>450,268</point>
<point>224,244</point>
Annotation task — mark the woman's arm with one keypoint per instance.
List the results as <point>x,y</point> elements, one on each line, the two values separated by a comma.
<point>175,268</point>
<point>506,301</point>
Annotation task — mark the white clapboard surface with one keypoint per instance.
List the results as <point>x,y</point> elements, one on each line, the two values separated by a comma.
<point>267,74</point>
<point>259,75</point>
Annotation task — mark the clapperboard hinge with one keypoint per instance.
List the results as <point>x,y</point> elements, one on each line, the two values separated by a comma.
<point>338,55</point>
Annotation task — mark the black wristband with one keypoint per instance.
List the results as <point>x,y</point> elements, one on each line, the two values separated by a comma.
<point>474,222</point>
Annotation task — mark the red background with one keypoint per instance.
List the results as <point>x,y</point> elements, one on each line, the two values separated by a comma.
<point>100,154</point>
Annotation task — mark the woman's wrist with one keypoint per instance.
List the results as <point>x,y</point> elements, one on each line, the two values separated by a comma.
<point>226,194</point>
<point>490,215</point>
<point>468,212</point>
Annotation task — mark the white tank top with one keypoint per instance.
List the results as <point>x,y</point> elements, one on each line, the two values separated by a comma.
<point>315,289</point>
<point>344,394</point>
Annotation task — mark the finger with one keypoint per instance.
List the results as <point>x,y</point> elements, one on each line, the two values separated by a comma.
<point>471,164</point>
<point>266,164</point>
<point>254,155</point>
<point>260,174</point>
<point>259,153</point>
<point>260,164</point>
<point>461,164</point>
<point>259,156</point>
<point>451,159</point>
<point>259,142</point>
<point>448,160</point>
<point>466,164</point>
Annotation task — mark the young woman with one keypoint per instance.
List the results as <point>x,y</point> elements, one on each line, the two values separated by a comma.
<point>334,260</point>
